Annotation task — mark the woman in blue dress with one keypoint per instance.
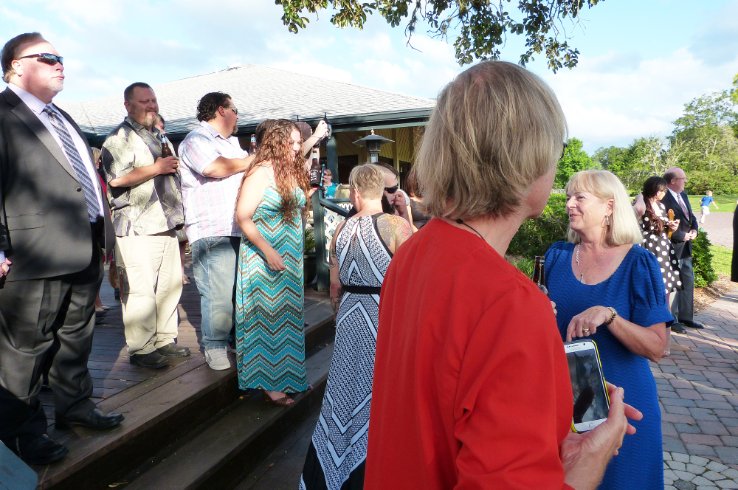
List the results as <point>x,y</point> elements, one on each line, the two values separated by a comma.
<point>270,341</point>
<point>609,289</point>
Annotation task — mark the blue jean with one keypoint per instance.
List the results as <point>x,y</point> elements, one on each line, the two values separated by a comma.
<point>214,261</point>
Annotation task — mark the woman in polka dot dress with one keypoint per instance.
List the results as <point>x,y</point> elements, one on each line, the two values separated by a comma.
<point>655,227</point>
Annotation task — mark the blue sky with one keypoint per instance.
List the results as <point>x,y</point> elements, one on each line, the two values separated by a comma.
<point>640,60</point>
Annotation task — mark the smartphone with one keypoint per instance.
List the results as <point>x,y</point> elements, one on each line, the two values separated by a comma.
<point>591,401</point>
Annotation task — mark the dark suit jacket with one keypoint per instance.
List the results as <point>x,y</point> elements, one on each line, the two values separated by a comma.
<point>686,224</point>
<point>44,227</point>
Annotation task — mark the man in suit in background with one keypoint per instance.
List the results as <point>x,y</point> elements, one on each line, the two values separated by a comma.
<point>52,227</point>
<point>678,201</point>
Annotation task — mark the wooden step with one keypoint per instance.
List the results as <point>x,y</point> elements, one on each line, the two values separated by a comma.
<point>159,411</point>
<point>227,447</point>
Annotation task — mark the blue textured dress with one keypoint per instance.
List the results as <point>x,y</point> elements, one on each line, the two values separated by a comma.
<point>636,291</point>
<point>270,337</point>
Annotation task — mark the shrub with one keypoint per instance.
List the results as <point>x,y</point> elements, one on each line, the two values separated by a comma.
<point>704,274</point>
<point>523,264</point>
<point>719,182</point>
<point>536,235</point>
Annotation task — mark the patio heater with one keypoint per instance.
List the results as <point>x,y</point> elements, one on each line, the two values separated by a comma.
<point>373,142</point>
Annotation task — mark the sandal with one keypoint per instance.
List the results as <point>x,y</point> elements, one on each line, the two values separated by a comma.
<point>284,401</point>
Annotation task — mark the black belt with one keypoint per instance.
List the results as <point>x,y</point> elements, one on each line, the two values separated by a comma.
<point>361,289</point>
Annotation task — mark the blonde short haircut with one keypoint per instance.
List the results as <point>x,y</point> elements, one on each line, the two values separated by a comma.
<point>624,227</point>
<point>496,129</point>
<point>368,180</point>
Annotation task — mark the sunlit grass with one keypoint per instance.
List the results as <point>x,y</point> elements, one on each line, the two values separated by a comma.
<point>721,257</point>
<point>726,203</point>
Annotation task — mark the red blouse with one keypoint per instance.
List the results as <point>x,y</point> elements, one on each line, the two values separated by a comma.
<point>471,386</point>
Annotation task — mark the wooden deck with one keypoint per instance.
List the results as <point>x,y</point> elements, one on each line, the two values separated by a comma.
<point>114,376</point>
<point>146,396</point>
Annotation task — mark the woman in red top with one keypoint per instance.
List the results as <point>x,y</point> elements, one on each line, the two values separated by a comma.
<point>471,386</point>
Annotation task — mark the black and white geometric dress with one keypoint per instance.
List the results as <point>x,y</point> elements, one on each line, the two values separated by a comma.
<point>337,451</point>
<point>660,245</point>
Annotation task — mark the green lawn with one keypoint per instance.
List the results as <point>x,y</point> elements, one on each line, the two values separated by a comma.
<point>725,202</point>
<point>721,259</point>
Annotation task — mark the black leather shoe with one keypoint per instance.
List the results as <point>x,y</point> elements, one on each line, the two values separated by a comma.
<point>693,324</point>
<point>173,350</point>
<point>677,327</point>
<point>37,449</point>
<point>94,419</point>
<point>152,360</point>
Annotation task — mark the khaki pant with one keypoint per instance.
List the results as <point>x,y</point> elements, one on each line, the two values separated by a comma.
<point>150,287</point>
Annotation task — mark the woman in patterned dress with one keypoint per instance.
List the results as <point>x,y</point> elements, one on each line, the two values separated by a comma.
<point>270,340</point>
<point>361,251</point>
<point>654,226</point>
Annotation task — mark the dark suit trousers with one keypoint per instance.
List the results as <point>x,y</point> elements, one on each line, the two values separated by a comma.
<point>49,323</point>
<point>683,306</point>
<point>18,418</point>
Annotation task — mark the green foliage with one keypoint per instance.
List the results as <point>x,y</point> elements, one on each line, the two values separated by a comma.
<point>704,137</point>
<point>523,264</point>
<point>481,27</point>
<point>309,245</point>
<point>704,274</point>
<point>721,182</point>
<point>536,235</point>
<point>572,161</point>
<point>634,164</point>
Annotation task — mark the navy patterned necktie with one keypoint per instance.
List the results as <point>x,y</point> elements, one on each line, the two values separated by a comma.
<point>93,208</point>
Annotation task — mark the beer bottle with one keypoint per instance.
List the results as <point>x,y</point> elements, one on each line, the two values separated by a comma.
<point>252,145</point>
<point>315,171</point>
<point>539,276</point>
<point>165,150</point>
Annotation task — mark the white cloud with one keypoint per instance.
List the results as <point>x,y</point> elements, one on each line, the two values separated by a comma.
<point>614,106</point>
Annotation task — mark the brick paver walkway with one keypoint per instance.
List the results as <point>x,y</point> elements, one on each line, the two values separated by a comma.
<point>698,393</point>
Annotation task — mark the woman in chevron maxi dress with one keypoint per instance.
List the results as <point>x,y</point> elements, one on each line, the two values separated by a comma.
<point>270,338</point>
<point>361,251</point>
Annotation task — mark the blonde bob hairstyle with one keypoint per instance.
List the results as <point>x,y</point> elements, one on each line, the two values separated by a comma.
<point>368,180</point>
<point>496,129</point>
<point>623,225</point>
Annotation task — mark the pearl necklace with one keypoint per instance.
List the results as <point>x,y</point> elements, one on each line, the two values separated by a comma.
<point>576,259</point>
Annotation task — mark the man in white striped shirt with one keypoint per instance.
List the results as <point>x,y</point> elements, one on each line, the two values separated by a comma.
<point>212,168</point>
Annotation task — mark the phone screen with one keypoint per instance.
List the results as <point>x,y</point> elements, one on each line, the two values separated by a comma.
<point>591,404</point>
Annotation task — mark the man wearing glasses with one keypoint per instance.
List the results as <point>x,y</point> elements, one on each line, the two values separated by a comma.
<point>146,203</point>
<point>52,227</point>
<point>678,201</point>
<point>212,168</point>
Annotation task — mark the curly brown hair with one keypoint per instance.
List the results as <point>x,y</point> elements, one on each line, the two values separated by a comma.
<point>275,148</point>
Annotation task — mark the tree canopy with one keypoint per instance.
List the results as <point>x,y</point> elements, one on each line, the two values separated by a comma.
<point>573,160</point>
<point>704,143</point>
<point>480,27</point>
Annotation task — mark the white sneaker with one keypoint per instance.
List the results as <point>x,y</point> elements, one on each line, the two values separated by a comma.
<point>217,358</point>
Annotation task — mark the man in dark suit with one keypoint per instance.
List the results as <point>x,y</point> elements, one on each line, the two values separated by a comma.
<point>678,201</point>
<point>52,227</point>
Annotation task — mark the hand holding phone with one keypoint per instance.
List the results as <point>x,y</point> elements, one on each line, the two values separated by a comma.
<point>591,401</point>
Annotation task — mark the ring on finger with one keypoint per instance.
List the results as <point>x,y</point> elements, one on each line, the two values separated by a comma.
<point>586,330</point>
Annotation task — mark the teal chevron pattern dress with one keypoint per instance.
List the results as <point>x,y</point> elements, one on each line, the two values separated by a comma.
<point>270,337</point>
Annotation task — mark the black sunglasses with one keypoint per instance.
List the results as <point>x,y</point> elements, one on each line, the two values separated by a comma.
<point>392,189</point>
<point>47,58</point>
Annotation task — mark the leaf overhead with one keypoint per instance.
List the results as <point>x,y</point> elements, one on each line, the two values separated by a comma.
<point>479,27</point>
